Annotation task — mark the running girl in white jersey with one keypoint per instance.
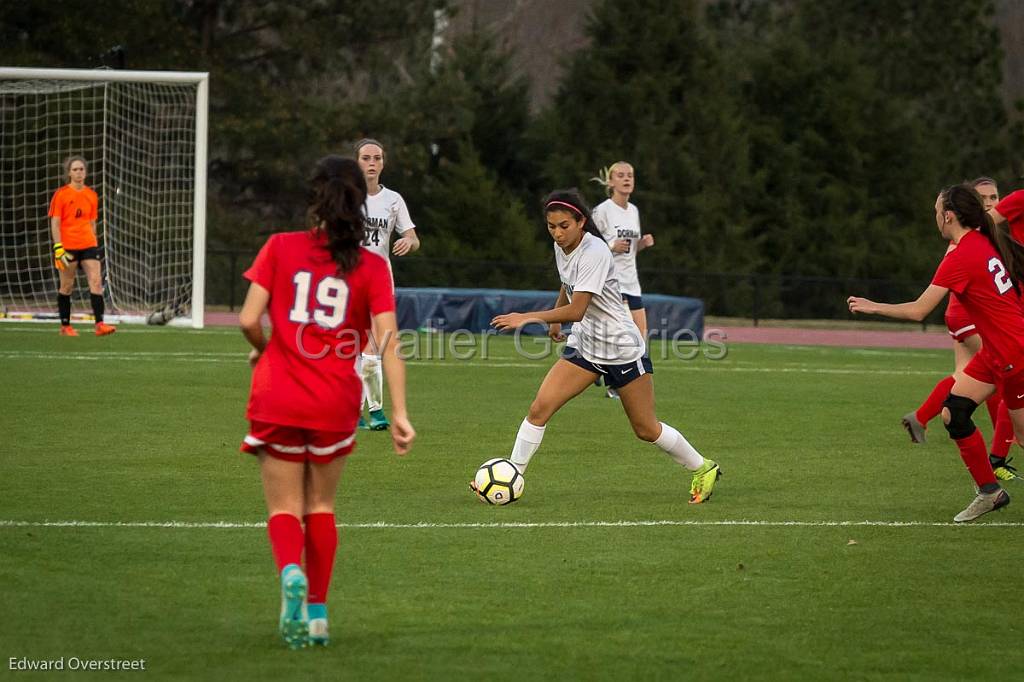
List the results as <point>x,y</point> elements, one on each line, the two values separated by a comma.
<point>386,213</point>
<point>619,223</point>
<point>604,341</point>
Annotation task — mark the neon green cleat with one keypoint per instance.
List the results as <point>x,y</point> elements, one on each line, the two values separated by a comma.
<point>378,422</point>
<point>704,480</point>
<point>1002,469</point>
<point>294,623</point>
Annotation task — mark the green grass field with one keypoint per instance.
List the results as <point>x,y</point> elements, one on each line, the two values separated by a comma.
<point>601,572</point>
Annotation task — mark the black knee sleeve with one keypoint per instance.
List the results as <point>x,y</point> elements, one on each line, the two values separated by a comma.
<point>960,411</point>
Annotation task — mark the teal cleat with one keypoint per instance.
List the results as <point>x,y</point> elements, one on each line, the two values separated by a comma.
<point>378,422</point>
<point>318,635</point>
<point>294,623</point>
<point>362,424</point>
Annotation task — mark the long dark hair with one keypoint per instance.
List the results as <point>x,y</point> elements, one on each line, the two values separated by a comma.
<point>570,199</point>
<point>337,192</point>
<point>965,203</point>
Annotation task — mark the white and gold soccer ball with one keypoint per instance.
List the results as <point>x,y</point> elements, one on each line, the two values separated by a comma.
<point>498,482</point>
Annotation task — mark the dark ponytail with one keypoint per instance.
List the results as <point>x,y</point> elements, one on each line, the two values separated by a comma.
<point>571,201</point>
<point>965,203</point>
<point>337,192</point>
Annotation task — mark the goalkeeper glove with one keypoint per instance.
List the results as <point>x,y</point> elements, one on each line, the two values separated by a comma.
<point>61,257</point>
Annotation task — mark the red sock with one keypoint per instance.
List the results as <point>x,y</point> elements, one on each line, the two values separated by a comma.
<point>932,405</point>
<point>972,451</point>
<point>1003,437</point>
<point>286,539</point>
<point>992,403</point>
<point>321,545</point>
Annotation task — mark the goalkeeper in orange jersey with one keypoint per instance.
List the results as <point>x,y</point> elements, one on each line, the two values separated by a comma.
<point>73,212</point>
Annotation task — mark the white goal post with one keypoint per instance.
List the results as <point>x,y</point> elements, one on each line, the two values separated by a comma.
<point>144,137</point>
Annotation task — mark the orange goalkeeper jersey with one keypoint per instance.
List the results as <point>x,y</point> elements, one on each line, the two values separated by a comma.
<point>77,209</point>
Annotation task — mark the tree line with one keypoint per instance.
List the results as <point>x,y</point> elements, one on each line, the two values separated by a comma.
<point>771,140</point>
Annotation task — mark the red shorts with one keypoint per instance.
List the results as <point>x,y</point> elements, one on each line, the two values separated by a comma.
<point>297,445</point>
<point>960,327</point>
<point>1009,381</point>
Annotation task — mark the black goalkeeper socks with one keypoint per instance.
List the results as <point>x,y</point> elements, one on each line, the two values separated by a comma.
<point>97,306</point>
<point>64,308</point>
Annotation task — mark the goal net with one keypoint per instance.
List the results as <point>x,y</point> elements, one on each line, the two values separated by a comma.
<point>143,135</point>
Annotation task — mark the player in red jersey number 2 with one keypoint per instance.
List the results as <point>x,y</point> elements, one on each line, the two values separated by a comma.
<point>322,292</point>
<point>982,271</point>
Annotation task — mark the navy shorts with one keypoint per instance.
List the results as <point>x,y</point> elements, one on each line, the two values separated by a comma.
<point>634,302</point>
<point>92,253</point>
<point>615,376</point>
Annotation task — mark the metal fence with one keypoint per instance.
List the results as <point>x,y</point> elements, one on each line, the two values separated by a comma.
<point>744,295</point>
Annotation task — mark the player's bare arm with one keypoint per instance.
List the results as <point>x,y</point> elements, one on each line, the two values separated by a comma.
<point>406,244</point>
<point>912,310</point>
<point>385,329</point>
<point>572,312</point>
<point>555,328</point>
<point>250,320</point>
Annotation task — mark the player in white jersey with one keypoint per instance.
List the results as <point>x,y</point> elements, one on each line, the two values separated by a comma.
<point>386,213</point>
<point>619,223</point>
<point>604,341</point>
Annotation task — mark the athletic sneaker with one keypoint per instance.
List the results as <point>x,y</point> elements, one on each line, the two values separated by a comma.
<point>915,428</point>
<point>1002,469</point>
<point>612,393</point>
<point>67,330</point>
<point>294,623</point>
<point>104,329</point>
<point>983,504</point>
<point>318,624</point>
<point>378,422</point>
<point>362,424</point>
<point>703,483</point>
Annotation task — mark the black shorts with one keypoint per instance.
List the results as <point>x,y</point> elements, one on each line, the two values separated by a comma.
<point>92,253</point>
<point>615,376</point>
<point>634,302</point>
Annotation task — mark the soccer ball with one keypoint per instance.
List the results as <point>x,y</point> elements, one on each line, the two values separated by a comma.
<point>498,482</point>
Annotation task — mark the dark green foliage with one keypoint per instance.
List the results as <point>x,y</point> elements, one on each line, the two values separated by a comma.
<point>799,137</point>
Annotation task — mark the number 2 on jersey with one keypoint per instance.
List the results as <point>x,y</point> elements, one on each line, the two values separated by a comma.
<point>331,295</point>
<point>999,275</point>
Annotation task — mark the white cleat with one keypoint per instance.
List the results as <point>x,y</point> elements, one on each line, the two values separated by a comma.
<point>983,504</point>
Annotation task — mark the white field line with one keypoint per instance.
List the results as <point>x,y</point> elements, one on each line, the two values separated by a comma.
<point>384,525</point>
<point>239,359</point>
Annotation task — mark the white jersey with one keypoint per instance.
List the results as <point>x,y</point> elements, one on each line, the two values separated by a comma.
<point>607,334</point>
<point>615,223</point>
<point>385,212</point>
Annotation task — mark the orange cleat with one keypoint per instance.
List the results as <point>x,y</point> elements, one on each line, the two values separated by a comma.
<point>67,330</point>
<point>104,329</point>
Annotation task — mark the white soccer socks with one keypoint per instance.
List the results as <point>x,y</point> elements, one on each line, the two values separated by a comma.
<point>527,441</point>
<point>678,448</point>
<point>373,381</point>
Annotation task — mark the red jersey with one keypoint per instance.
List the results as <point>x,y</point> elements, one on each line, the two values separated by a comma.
<point>1012,208</point>
<point>306,376</point>
<point>975,272</point>
<point>77,210</point>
